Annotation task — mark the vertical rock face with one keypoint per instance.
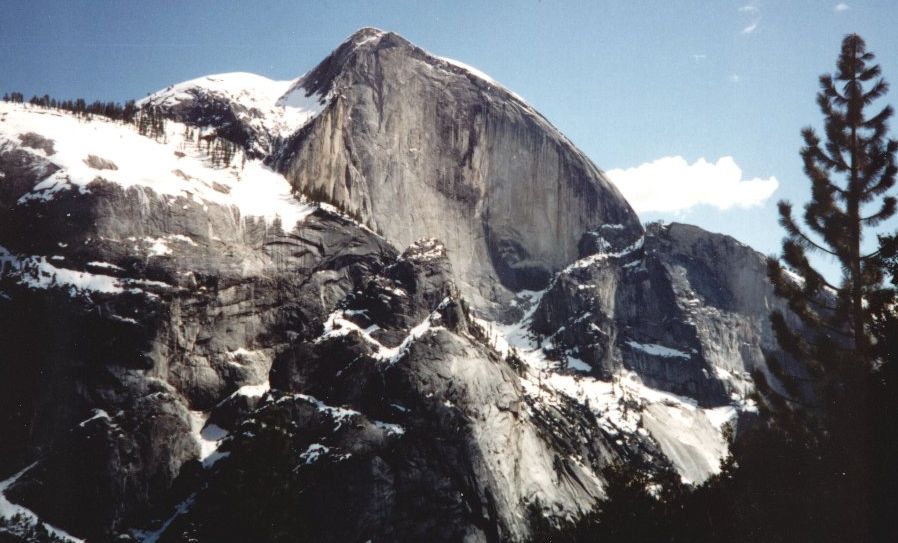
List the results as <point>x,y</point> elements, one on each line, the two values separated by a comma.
<point>700,302</point>
<point>417,145</point>
<point>465,327</point>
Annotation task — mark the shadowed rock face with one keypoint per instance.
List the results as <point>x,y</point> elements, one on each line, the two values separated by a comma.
<point>687,313</point>
<point>687,310</point>
<point>131,356</point>
<point>415,145</point>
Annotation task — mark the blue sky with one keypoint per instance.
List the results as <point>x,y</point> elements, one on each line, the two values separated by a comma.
<point>628,82</point>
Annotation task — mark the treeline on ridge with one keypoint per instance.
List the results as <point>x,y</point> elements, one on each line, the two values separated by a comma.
<point>149,121</point>
<point>79,106</point>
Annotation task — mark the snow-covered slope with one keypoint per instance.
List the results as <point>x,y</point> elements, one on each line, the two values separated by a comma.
<point>170,166</point>
<point>690,435</point>
<point>263,109</point>
<point>10,510</point>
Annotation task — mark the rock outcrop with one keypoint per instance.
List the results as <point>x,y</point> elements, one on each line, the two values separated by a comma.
<point>416,145</point>
<point>685,313</point>
<point>701,301</point>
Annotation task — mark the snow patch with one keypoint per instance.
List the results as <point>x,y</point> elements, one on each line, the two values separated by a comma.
<point>157,247</point>
<point>337,325</point>
<point>153,537</point>
<point>658,350</point>
<point>426,249</point>
<point>9,509</point>
<point>374,35</point>
<point>98,414</point>
<point>278,108</point>
<point>390,428</point>
<point>209,437</point>
<point>484,77</point>
<point>37,273</point>
<point>105,265</point>
<point>252,391</point>
<point>601,256</point>
<point>470,69</point>
<point>577,364</point>
<point>339,414</point>
<point>313,453</point>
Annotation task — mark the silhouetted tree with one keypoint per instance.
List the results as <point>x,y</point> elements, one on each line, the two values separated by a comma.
<point>852,169</point>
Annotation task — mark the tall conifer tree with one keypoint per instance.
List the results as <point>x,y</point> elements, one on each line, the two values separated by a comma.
<point>851,173</point>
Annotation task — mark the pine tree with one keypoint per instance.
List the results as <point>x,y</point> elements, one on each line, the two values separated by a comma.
<point>852,170</point>
<point>128,111</point>
<point>851,173</point>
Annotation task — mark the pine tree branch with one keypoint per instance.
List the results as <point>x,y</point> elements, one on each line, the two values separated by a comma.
<point>870,73</point>
<point>879,119</point>
<point>795,232</point>
<point>889,170</point>
<point>879,88</point>
<point>886,211</point>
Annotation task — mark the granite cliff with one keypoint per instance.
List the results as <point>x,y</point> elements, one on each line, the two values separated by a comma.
<point>406,307</point>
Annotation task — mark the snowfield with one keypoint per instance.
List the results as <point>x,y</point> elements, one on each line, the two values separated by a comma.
<point>691,436</point>
<point>277,108</point>
<point>173,167</point>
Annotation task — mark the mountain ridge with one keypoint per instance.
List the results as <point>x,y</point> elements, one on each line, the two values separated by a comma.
<point>445,388</point>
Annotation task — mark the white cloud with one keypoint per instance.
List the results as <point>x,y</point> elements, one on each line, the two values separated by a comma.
<point>841,6</point>
<point>735,78</point>
<point>754,12</point>
<point>670,184</point>
<point>698,57</point>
